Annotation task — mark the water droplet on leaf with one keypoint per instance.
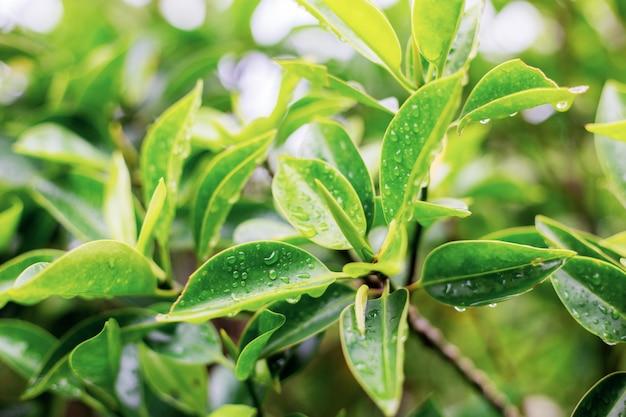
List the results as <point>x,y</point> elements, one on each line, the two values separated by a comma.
<point>460,309</point>
<point>485,121</point>
<point>272,274</point>
<point>271,259</point>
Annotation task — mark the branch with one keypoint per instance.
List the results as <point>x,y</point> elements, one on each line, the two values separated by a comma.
<point>433,337</point>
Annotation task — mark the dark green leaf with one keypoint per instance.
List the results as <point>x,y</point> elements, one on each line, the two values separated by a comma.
<point>308,317</point>
<point>592,291</point>
<point>375,352</point>
<point>428,408</point>
<point>254,338</point>
<point>187,343</point>
<point>247,277</point>
<point>607,398</point>
<point>426,212</point>
<point>479,272</point>
<point>511,87</point>
<point>23,346</point>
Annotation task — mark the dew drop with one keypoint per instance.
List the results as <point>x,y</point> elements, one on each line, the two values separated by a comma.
<point>244,275</point>
<point>603,309</point>
<point>485,121</point>
<point>285,280</point>
<point>372,314</point>
<point>614,314</point>
<point>271,259</point>
<point>562,105</point>
<point>398,155</point>
<point>303,275</point>
<point>460,309</point>
<point>300,215</point>
<point>595,279</point>
<point>609,342</point>
<point>493,305</point>
<point>272,274</point>
<point>293,300</point>
<point>448,289</point>
<point>241,255</point>
<point>235,274</point>
<point>513,114</point>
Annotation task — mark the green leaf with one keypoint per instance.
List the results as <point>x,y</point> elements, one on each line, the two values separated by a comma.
<point>180,385</point>
<point>524,235</point>
<point>363,26</point>
<point>300,200</point>
<point>607,398</point>
<point>119,211</point>
<point>155,207</point>
<point>611,130</point>
<point>478,272</point>
<point>376,356</point>
<point>75,201</point>
<point>188,343</point>
<point>616,242</point>
<point>163,152</point>
<point>434,27</point>
<point>411,142</point>
<point>24,346</point>
<point>308,317</point>
<point>253,339</point>
<point>234,410</point>
<point>465,46</point>
<point>17,171</point>
<point>428,408</point>
<point>265,229</point>
<point>247,277</point>
<point>10,214</point>
<point>97,360</point>
<point>511,87</point>
<point>592,291</point>
<point>328,141</point>
<point>558,235</point>
<point>612,153</point>
<point>55,143</point>
<point>103,268</point>
<point>221,184</point>
<point>426,212</point>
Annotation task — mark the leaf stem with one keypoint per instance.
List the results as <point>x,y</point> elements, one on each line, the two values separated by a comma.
<point>256,401</point>
<point>414,247</point>
<point>477,378</point>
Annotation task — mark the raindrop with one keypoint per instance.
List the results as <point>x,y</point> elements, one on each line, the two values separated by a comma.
<point>235,274</point>
<point>293,300</point>
<point>285,280</point>
<point>562,105</point>
<point>300,215</point>
<point>603,309</point>
<point>398,155</point>
<point>513,114</point>
<point>609,342</point>
<point>303,275</point>
<point>493,305</point>
<point>448,289</point>
<point>242,256</point>
<point>460,309</point>
<point>272,274</point>
<point>614,314</point>
<point>372,314</point>
<point>271,259</point>
<point>485,121</point>
<point>234,297</point>
<point>595,279</point>
<point>244,275</point>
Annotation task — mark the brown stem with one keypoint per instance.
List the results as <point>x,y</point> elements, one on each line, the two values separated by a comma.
<point>433,337</point>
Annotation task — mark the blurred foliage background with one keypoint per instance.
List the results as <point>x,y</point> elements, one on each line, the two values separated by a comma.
<point>106,68</point>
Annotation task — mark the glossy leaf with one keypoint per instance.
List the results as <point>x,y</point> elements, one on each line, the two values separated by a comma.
<point>23,346</point>
<point>511,87</point>
<point>155,207</point>
<point>119,211</point>
<point>426,212</point>
<point>97,360</point>
<point>75,201</point>
<point>187,343</point>
<point>558,235</point>
<point>376,357</point>
<point>265,229</point>
<point>592,291</point>
<point>164,149</point>
<point>328,141</point>
<point>611,130</point>
<point>411,142</point>
<point>247,277</point>
<point>307,317</point>
<point>97,269</point>
<point>607,398</point>
<point>524,235</point>
<point>434,28</point>
<point>10,215</point>
<point>478,272</point>
<point>612,153</point>
<point>180,385</point>
<point>221,184</point>
<point>363,26</point>
<point>300,200</point>
<point>253,339</point>
<point>234,410</point>
<point>53,142</point>
<point>616,242</point>
<point>465,45</point>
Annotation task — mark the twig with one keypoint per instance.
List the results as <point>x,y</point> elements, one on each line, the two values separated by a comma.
<point>465,366</point>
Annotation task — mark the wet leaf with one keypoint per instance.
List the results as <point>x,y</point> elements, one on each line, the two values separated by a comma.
<point>328,141</point>
<point>265,229</point>
<point>607,398</point>
<point>247,277</point>
<point>592,291</point>
<point>119,211</point>
<point>376,356</point>
<point>524,235</point>
<point>163,152</point>
<point>412,140</point>
<point>188,343</point>
<point>612,153</point>
<point>253,339</point>
<point>479,272</point>
<point>465,45</point>
<point>10,215</point>
<point>55,143</point>
<point>155,207</point>
<point>364,27</point>
<point>221,184</point>
<point>103,268</point>
<point>302,203</point>
<point>426,212</point>
<point>434,27</point>
<point>76,201</point>
<point>511,87</point>
<point>24,346</point>
<point>308,317</point>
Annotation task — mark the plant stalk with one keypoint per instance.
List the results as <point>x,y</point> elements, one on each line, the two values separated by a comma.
<point>433,337</point>
<point>256,401</point>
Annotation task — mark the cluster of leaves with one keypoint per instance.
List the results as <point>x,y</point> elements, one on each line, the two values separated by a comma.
<point>129,214</point>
